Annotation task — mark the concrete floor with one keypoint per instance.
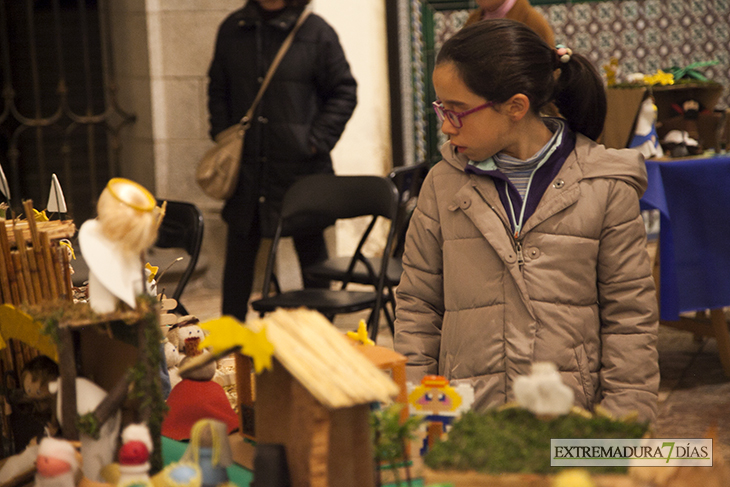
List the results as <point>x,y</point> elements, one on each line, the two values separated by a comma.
<point>694,396</point>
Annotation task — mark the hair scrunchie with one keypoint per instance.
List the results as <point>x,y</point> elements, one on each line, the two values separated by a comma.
<point>562,55</point>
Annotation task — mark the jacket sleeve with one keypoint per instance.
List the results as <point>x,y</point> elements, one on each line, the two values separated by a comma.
<point>419,296</point>
<point>629,373</point>
<point>219,98</point>
<point>336,90</point>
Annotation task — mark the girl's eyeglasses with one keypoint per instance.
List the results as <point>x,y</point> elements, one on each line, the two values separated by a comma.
<point>454,117</point>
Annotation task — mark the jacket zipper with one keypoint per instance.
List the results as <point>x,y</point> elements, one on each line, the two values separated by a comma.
<point>520,256</point>
<point>518,244</point>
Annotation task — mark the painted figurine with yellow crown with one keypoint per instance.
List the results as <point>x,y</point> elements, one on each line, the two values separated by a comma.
<point>440,403</point>
<point>113,243</point>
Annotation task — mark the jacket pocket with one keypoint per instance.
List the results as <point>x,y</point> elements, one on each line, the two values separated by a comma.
<point>581,359</point>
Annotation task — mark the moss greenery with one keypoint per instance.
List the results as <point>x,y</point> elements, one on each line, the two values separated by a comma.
<point>88,424</point>
<point>147,384</point>
<point>515,440</point>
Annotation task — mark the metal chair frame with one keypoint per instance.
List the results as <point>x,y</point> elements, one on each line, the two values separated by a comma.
<point>182,227</point>
<point>408,181</point>
<point>316,202</point>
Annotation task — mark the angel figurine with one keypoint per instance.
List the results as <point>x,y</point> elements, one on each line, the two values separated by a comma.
<point>113,243</point>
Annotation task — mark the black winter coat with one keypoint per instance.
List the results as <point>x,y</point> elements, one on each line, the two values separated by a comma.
<point>301,116</point>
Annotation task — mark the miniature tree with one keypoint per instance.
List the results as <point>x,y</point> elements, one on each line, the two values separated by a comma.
<point>390,437</point>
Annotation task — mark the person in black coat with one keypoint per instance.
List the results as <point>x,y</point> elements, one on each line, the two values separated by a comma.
<point>297,123</point>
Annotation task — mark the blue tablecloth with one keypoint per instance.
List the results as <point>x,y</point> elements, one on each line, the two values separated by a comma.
<point>693,197</point>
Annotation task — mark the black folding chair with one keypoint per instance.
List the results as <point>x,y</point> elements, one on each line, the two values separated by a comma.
<point>315,203</point>
<point>408,181</point>
<point>182,228</point>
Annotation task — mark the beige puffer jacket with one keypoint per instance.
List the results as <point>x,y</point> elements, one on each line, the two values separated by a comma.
<point>583,296</point>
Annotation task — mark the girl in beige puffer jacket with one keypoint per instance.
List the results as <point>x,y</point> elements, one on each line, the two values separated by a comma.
<point>527,243</point>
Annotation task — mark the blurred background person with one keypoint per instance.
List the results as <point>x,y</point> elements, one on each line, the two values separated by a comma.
<point>297,123</point>
<point>519,10</point>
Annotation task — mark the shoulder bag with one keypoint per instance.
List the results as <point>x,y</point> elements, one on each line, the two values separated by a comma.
<point>217,172</point>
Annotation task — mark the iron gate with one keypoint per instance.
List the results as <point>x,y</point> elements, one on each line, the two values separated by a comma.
<point>59,111</point>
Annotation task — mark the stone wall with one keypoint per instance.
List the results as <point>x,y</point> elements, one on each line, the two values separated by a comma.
<point>162,50</point>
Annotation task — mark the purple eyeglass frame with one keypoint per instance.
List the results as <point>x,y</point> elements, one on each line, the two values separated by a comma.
<point>454,117</point>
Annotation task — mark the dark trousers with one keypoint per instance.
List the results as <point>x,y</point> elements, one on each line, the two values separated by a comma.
<point>238,274</point>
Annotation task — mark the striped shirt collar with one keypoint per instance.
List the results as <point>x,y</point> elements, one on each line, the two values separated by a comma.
<point>504,162</point>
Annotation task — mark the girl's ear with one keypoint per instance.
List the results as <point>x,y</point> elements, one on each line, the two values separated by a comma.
<point>517,106</point>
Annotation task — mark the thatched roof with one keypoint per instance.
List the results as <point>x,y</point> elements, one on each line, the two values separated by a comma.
<point>323,360</point>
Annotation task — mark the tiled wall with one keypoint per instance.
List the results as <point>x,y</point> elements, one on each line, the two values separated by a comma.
<point>645,35</point>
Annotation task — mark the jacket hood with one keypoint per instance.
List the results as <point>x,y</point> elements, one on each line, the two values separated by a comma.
<point>594,161</point>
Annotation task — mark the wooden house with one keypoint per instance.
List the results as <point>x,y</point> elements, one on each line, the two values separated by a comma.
<point>316,400</point>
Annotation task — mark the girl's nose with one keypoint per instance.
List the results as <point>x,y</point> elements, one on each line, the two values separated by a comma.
<point>448,128</point>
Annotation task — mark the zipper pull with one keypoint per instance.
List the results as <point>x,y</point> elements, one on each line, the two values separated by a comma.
<point>520,257</point>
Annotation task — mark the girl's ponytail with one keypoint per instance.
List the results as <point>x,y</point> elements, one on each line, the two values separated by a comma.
<point>580,95</point>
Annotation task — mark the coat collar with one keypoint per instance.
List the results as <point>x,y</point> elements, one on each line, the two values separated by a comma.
<point>249,16</point>
<point>594,161</point>
<point>588,160</point>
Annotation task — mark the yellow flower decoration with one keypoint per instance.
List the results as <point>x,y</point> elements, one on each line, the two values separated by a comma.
<point>361,335</point>
<point>40,216</point>
<point>659,78</point>
<point>153,271</point>
<point>227,332</point>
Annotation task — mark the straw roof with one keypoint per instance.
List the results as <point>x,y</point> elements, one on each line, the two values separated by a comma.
<point>323,360</point>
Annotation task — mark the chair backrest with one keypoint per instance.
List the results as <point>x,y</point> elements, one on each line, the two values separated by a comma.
<point>329,197</point>
<point>317,201</point>
<point>182,228</point>
<point>408,180</point>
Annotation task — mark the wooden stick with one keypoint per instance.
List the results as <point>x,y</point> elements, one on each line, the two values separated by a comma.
<point>25,350</point>
<point>67,366</point>
<point>37,250</point>
<point>48,261</point>
<point>125,316</point>
<point>4,281</point>
<point>56,230</point>
<point>145,411</point>
<point>7,358</point>
<point>66,266</point>
<point>113,401</point>
<point>17,357</point>
<point>9,268</point>
<point>20,275</point>
<point>34,285</point>
<point>58,270</point>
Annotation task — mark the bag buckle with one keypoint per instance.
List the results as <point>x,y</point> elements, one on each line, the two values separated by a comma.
<point>245,123</point>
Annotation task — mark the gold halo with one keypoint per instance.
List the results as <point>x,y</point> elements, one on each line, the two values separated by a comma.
<point>131,194</point>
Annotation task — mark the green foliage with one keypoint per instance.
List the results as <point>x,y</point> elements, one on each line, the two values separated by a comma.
<point>88,424</point>
<point>389,436</point>
<point>50,326</point>
<point>515,440</point>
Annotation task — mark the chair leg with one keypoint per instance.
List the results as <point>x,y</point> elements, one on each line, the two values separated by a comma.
<point>391,322</point>
<point>373,325</point>
<point>180,309</point>
<point>275,282</point>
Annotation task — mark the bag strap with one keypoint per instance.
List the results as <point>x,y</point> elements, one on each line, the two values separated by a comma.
<point>246,120</point>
